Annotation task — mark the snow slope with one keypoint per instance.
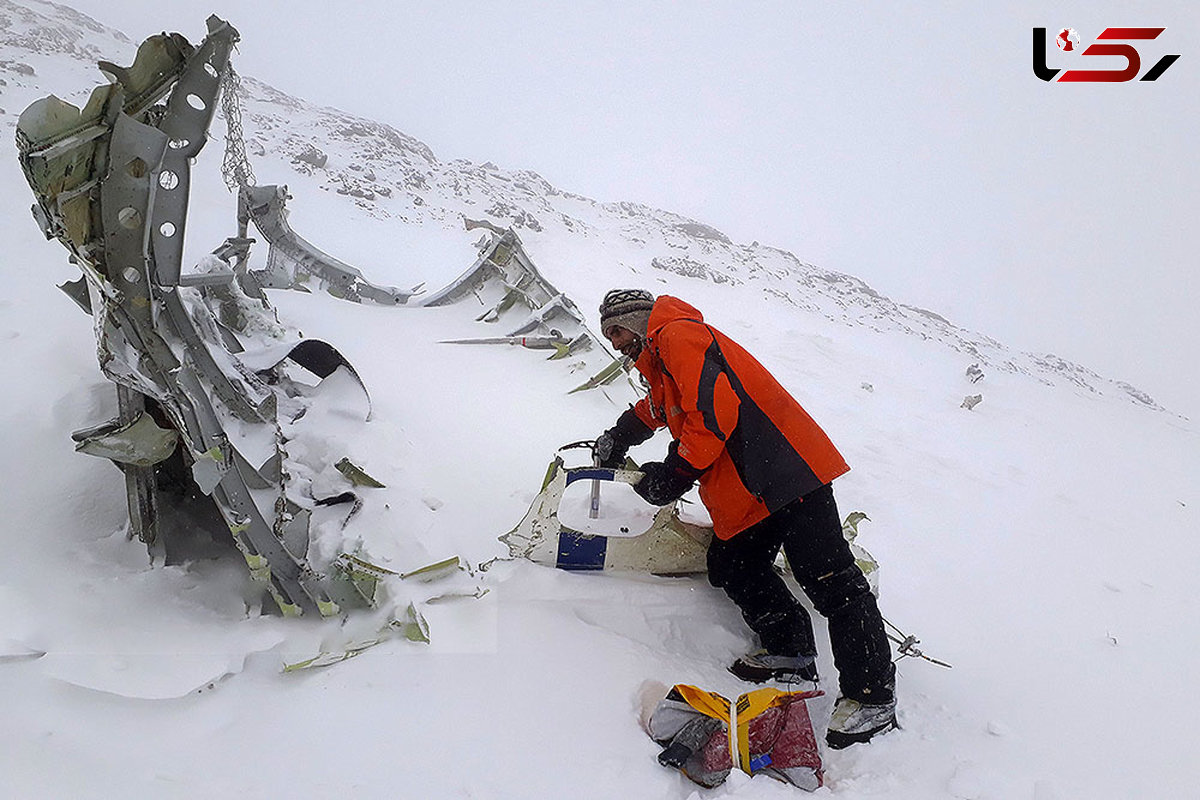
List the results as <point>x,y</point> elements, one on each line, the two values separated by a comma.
<point>1043,543</point>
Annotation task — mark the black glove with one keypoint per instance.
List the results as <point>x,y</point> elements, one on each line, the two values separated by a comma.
<point>614,443</point>
<point>668,480</point>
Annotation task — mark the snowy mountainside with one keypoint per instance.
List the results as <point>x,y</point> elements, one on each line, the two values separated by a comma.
<point>38,28</point>
<point>1043,543</point>
<point>46,48</point>
<point>396,178</point>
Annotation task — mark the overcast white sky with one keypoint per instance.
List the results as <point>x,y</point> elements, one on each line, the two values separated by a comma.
<point>903,143</point>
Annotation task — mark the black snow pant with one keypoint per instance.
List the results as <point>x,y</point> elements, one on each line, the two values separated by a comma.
<point>810,532</point>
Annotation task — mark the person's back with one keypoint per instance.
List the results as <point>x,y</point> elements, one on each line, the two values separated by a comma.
<point>758,446</point>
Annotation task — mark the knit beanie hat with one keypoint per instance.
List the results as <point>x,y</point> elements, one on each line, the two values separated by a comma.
<point>627,308</point>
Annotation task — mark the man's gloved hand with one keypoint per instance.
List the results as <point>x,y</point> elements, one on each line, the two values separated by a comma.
<point>614,443</point>
<point>668,480</point>
<point>607,451</point>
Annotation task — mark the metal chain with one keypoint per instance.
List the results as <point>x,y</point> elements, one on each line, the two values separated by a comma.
<point>235,167</point>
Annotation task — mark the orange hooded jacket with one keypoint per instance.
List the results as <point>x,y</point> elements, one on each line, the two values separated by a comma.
<point>758,448</point>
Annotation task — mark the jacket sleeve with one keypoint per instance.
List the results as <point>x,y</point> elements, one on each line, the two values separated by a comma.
<point>629,430</point>
<point>692,360</point>
<point>645,412</point>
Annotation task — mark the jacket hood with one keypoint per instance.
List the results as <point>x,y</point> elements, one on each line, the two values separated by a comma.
<point>669,309</point>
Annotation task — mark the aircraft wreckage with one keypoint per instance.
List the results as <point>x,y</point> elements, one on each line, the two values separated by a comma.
<point>211,388</point>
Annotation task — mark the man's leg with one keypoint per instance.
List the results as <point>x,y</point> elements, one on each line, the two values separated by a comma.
<point>742,567</point>
<point>824,567</point>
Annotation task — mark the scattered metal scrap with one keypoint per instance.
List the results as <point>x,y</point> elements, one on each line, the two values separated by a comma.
<point>205,377</point>
<point>504,280</point>
<point>411,626</point>
<point>669,546</point>
<point>208,392</point>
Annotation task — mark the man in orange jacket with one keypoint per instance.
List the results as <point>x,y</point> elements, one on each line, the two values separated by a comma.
<point>765,470</point>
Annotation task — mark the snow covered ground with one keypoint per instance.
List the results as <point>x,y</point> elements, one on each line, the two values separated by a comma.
<point>1044,543</point>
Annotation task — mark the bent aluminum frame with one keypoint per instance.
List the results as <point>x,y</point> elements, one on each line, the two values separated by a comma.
<point>112,185</point>
<point>292,261</point>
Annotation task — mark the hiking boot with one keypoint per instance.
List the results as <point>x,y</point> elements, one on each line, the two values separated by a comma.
<point>856,723</point>
<point>761,666</point>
